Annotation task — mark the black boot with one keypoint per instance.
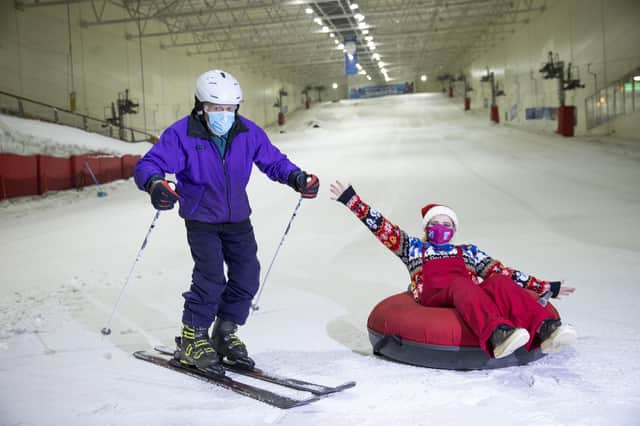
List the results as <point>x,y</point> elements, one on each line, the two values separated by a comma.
<point>194,349</point>
<point>505,340</point>
<point>554,335</point>
<point>547,328</point>
<point>228,345</point>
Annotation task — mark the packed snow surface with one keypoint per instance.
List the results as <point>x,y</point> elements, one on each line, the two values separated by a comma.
<point>558,208</point>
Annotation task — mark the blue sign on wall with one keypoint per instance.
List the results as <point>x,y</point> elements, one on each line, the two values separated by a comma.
<point>383,90</point>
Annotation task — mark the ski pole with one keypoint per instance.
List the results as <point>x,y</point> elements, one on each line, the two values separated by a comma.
<point>255,306</point>
<point>106,330</point>
<point>101,192</point>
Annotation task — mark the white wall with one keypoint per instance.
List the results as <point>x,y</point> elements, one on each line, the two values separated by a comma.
<point>603,33</point>
<point>34,63</point>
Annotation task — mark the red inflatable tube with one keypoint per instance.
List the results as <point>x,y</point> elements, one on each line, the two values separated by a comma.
<point>402,330</point>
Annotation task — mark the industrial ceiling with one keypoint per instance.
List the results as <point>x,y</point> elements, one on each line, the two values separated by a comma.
<point>305,40</point>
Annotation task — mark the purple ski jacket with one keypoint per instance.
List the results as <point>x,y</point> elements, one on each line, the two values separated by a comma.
<point>212,187</point>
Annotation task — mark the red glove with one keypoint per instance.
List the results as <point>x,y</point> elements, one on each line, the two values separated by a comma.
<point>163,197</point>
<point>307,185</point>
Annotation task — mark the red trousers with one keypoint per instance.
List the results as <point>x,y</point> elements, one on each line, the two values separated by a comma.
<point>498,300</point>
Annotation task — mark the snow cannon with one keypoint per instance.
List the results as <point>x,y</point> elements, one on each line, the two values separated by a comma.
<point>405,331</point>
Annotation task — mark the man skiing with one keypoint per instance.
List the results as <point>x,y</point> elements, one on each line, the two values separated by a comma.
<point>212,152</point>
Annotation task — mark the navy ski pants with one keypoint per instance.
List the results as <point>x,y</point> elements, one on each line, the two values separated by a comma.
<point>211,293</point>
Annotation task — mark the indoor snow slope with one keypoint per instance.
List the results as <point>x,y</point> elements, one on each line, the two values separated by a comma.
<point>554,207</point>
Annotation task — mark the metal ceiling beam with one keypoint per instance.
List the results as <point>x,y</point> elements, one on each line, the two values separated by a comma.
<point>247,49</point>
<point>426,32</point>
<point>297,20</point>
<point>195,12</point>
<point>459,18</point>
<point>21,4</point>
<point>253,47</point>
<point>206,12</point>
<point>209,29</point>
<point>448,30</point>
<point>438,36</point>
<point>275,61</point>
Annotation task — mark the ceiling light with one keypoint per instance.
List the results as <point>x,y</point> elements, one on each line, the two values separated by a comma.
<point>423,77</point>
<point>353,6</point>
<point>359,17</point>
<point>365,32</point>
<point>372,47</point>
<point>325,29</point>
<point>368,77</point>
<point>350,56</point>
<point>363,72</point>
<point>335,40</point>
<point>636,78</point>
<point>376,56</point>
<point>308,11</point>
<point>334,85</point>
<point>332,35</point>
<point>340,46</point>
<point>381,64</point>
<point>383,70</point>
<point>359,66</point>
<point>362,25</point>
<point>318,21</point>
<point>369,38</point>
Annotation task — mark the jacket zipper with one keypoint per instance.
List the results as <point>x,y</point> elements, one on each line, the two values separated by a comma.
<point>226,175</point>
<point>224,170</point>
<point>226,180</point>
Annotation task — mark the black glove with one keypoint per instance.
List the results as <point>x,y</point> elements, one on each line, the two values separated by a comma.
<point>163,197</point>
<point>307,185</point>
<point>555,288</point>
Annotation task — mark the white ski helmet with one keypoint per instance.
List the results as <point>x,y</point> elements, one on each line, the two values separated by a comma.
<point>218,87</point>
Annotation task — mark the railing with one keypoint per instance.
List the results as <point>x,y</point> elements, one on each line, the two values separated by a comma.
<point>28,108</point>
<point>619,98</point>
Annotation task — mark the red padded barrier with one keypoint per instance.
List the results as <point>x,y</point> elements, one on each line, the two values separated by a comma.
<point>19,175</point>
<point>79,174</point>
<point>54,173</point>
<point>495,116</point>
<point>128,164</point>
<point>110,169</point>
<point>565,120</point>
<point>30,175</point>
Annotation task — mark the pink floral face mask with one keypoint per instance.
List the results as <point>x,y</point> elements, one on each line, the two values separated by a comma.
<point>439,234</point>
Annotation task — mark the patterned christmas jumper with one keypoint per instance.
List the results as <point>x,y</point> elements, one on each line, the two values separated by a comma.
<point>410,251</point>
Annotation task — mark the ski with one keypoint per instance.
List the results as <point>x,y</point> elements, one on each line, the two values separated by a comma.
<point>256,373</point>
<point>259,394</point>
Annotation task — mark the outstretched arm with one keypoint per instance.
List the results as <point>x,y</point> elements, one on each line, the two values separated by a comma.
<point>486,266</point>
<point>560,290</point>
<point>394,238</point>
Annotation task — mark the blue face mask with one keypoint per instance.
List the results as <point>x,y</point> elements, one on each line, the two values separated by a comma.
<point>221,121</point>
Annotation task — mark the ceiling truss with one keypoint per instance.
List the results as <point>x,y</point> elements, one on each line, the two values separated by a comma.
<point>280,36</point>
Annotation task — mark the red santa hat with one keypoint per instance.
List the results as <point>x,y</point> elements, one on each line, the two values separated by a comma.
<point>432,210</point>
